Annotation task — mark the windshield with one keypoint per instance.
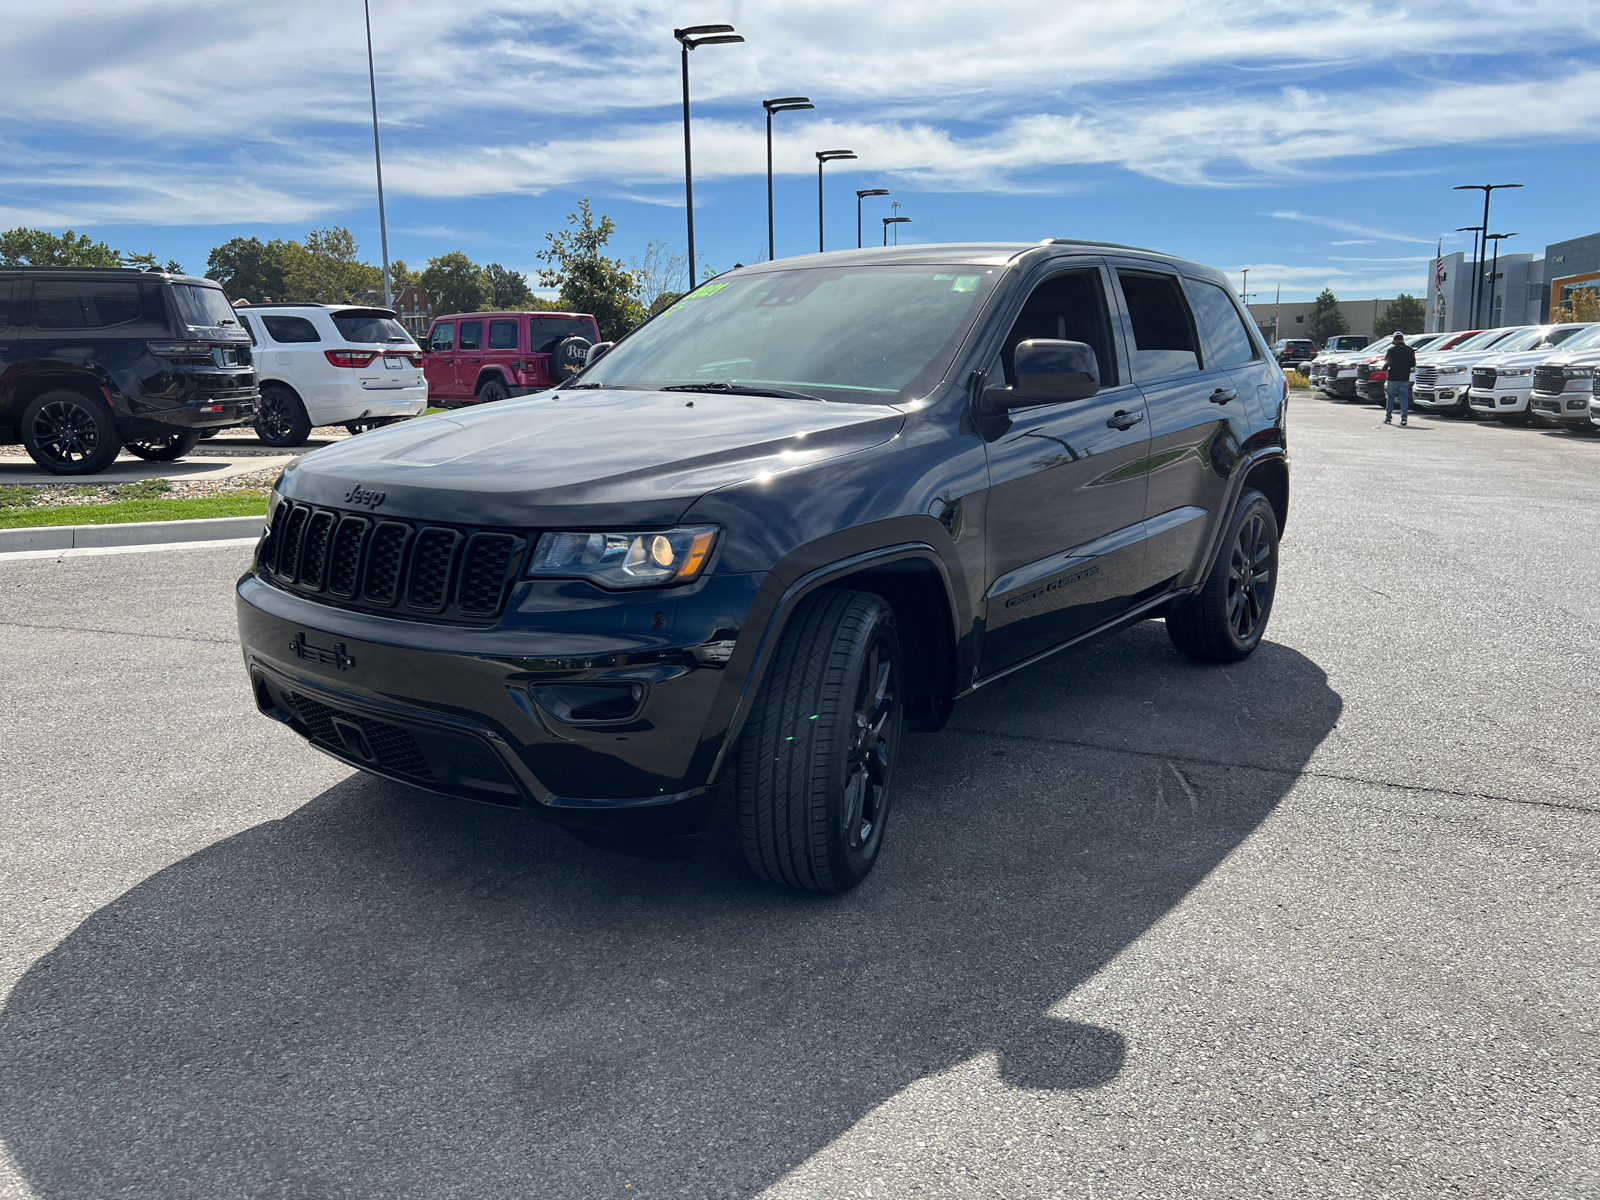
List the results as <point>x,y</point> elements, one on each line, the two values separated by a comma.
<point>867,334</point>
<point>546,332</point>
<point>205,307</point>
<point>1527,339</point>
<point>1582,341</point>
<point>370,328</point>
<point>1481,340</point>
<point>1564,335</point>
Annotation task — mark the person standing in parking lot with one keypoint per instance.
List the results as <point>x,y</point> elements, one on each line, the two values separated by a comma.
<point>1398,361</point>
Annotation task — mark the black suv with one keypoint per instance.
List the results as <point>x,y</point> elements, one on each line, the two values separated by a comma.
<point>806,507</point>
<point>92,360</point>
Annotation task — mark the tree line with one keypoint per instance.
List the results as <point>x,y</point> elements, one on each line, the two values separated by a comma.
<point>326,267</point>
<point>1403,314</point>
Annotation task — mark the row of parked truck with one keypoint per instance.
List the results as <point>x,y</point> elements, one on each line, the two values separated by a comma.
<point>1540,373</point>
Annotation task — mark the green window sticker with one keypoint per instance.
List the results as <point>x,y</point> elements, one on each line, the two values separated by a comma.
<point>700,293</point>
<point>964,283</point>
<point>939,277</point>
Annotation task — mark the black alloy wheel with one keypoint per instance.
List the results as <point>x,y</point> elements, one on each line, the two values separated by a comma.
<point>166,448</point>
<point>67,433</point>
<point>816,759</point>
<point>1225,619</point>
<point>281,419</point>
<point>492,391</point>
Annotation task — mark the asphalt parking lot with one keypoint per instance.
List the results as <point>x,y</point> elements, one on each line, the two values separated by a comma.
<point>1320,924</point>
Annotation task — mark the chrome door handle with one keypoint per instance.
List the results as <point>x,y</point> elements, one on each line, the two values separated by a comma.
<point>1124,420</point>
<point>1223,395</point>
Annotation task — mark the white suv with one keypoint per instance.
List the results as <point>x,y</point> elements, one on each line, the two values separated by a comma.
<point>1501,384</point>
<point>331,364</point>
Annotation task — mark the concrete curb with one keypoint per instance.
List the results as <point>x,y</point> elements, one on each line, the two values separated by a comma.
<point>130,533</point>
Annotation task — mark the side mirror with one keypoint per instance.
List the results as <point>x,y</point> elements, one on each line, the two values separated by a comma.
<point>1049,372</point>
<point>596,351</point>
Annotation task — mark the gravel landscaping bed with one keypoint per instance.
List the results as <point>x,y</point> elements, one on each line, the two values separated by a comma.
<point>253,483</point>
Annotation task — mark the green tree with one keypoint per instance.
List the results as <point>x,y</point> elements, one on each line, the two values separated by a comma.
<point>1582,304</point>
<point>456,284</point>
<point>508,288</point>
<point>589,281</point>
<point>248,268</point>
<point>40,248</point>
<point>1326,319</point>
<point>401,275</point>
<point>1403,314</point>
<point>325,268</point>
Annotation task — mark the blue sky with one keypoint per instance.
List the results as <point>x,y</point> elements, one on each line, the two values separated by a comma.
<point>1315,143</point>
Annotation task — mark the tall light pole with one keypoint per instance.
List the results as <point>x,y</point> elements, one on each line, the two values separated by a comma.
<point>1472,292</point>
<point>859,195</point>
<point>689,39</point>
<point>1488,189</point>
<point>826,156</point>
<point>896,222</point>
<point>377,158</point>
<point>1244,281</point>
<point>781,104</point>
<point>1496,238</point>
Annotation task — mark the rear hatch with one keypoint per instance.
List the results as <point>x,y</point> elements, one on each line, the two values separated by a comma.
<point>210,347</point>
<point>380,348</point>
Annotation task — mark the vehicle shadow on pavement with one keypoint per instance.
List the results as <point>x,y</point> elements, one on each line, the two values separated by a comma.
<point>389,993</point>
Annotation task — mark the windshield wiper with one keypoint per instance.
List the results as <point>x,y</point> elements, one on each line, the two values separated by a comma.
<point>741,389</point>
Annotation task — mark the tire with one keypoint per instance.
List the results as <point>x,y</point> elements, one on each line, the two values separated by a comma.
<point>281,420</point>
<point>358,427</point>
<point>1223,621</point>
<point>492,390</point>
<point>570,355</point>
<point>169,448</point>
<point>207,434</point>
<point>816,759</point>
<point>67,433</point>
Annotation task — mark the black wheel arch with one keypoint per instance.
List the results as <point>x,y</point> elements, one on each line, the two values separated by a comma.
<point>33,384</point>
<point>491,375</point>
<point>264,384</point>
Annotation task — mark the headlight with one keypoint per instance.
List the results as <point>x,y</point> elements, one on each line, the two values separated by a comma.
<point>1506,373</point>
<point>1579,372</point>
<point>625,560</point>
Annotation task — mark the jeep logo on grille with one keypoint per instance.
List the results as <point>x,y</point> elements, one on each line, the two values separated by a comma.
<point>361,495</point>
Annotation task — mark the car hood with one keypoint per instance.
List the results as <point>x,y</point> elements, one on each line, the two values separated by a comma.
<point>600,458</point>
<point>1453,358</point>
<point>1524,358</point>
<point>1574,358</point>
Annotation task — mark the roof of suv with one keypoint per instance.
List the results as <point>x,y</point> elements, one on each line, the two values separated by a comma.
<point>377,308</point>
<point>107,273</point>
<point>973,252</point>
<point>515,312</point>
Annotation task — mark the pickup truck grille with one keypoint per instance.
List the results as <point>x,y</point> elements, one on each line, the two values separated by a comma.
<point>1363,372</point>
<point>1426,377</point>
<point>1549,379</point>
<point>415,570</point>
<point>1484,377</point>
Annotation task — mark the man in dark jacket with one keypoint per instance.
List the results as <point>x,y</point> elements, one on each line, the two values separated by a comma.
<point>1398,361</point>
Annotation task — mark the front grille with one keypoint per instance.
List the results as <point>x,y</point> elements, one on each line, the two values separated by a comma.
<point>1484,377</point>
<point>391,566</point>
<point>1549,379</point>
<point>1426,377</point>
<point>391,747</point>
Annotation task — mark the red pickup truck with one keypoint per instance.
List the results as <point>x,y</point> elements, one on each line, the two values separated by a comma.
<point>472,358</point>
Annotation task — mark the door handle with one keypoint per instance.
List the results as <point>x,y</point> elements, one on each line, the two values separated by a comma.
<point>475,360</point>
<point>1223,395</point>
<point>1124,420</point>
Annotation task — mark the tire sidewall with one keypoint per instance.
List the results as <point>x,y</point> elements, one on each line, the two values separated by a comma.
<point>491,392</point>
<point>300,424</point>
<point>108,439</point>
<point>852,866</point>
<point>1251,502</point>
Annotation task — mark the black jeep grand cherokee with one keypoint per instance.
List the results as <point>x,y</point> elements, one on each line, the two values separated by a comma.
<point>94,359</point>
<point>808,506</point>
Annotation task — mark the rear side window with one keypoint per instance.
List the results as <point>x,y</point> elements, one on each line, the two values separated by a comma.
<point>547,331</point>
<point>1163,335</point>
<point>442,338</point>
<point>290,329</point>
<point>502,335</point>
<point>471,335</point>
<point>248,328</point>
<point>370,328</point>
<point>1225,330</point>
<point>205,307</point>
<point>89,304</point>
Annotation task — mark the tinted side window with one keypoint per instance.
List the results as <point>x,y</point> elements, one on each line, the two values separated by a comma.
<point>442,337</point>
<point>471,335</point>
<point>290,329</point>
<point>6,287</point>
<point>1225,330</point>
<point>90,304</point>
<point>1163,335</point>
<point>548,331</point>
<point>502,335</point>
<point>1070,307</point>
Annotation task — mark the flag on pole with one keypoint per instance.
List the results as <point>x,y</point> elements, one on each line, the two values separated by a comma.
<point>1438,289</point>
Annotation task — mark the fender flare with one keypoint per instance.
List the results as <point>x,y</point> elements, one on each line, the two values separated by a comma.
<point>488,373</point>
<point>1241,472</point>
<point>797,591</point>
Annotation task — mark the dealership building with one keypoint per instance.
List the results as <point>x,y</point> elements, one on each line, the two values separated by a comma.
<point>1526,290</point>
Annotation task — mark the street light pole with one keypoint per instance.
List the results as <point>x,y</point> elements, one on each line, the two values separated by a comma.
<point>1472,292</point>
<point>781,104</point>
<point>693,36</point>
<point>859,195</point>
<point>1488,189</point>
<point>1496,238</point>
<point>896,222</point>
<point>826,156</point>
<point>1244,281</point>
<point>377,158</point>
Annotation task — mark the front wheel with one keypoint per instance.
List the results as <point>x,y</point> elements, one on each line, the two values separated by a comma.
<point>1224,620</point>
<point>816,759</point>
<point>165,448</point>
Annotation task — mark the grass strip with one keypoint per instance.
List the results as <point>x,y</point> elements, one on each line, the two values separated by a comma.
<point>118,512</point>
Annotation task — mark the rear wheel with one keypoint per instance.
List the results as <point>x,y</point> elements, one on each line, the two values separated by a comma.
<point>1224,620</point>
<point>67,433</point>
<point>816,759</point>
<point>492,391</point>
<point>165,448</point>
<point>281,420</point>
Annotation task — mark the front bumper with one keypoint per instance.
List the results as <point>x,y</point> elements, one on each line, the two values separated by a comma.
<point>1500,400</point>
<point>1450,396</point>
<point>1569,408</point>
<point>464,711</point>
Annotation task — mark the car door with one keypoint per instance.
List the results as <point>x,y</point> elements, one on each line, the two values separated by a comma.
<point>1064,525</point>
<point>503,347</point>
<point>1187,400</point>
<point>469,358</point>
<point>439,361</point>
